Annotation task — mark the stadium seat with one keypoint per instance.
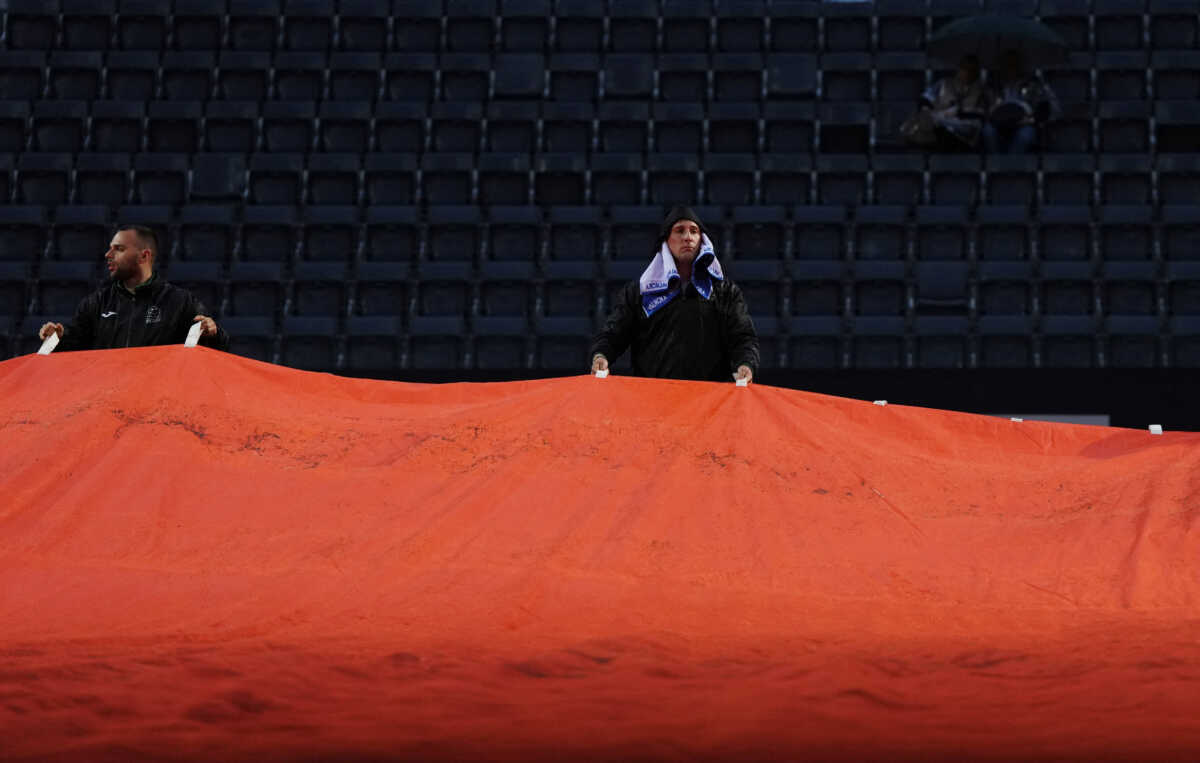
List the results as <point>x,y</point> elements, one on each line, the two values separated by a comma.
<point>901,24</point>
<point>1132,342</point>
<point>465,76</point>
<point>14,116</point>
<point>733,127</point>
<point>21,74</point>
<point>206,232</point>
<point>560,178</point>
<point>518,75</point>
<point>841,179</point>
<point>1070,132</point>
<point>1068,179</point>
<point>512,126</point>
<point>470,25</point>
<point>173,126</point>
<point>942,232</point>
<point>186,75</point>
<point>15,278</point>
<point>786,178</point>
<point>74,74</point>
<point>318,290</point>
<point>954,179</point>
<point>846,76</point>
<point>253,338</point>
<point>1184,341</point>
<point>331,233</point>
<point>390,179</point>
<point>1124,126</point>
<point>880,288</point>
<point>738,77</point>
<point>816,342</point>
<point>87,24</point>
<point>1118,24</point>
<point>23,229</point>
<point>1070,19</point>
<point>729,179</point>
<point>634,233</point>
<point>31,25</point>
<point>562,345</point>
<point>820,232</point>
<point>243,75</point>
<point>448,178</point>
<point>61,286</point>
<point>617,179</point>
<point>1173,25</point>
<point>333,179</point>
<point>410,76</point>
<point>795,26</point>
<point>881,233</point>
<point>678,128</point>
<point>1004,289</point>
<point>309,343</point>
<point>633,26</point>
<point>1067,288</point>
<point>390,235</point>
<point>941,341</point>
<point>131,75</point>
<point>1065,233</point>
<point>897,178</point>
<point>43,178</point>
<point>417,26</point>
<point>160,178</point>
<point>231,126</point>
<point>574,234</point>
<point>899,76</point>
<point>59,125</point>
<point>1011,179</point>
<point>1129,288</point>
<point>81,233</point>
<point>275,178</point>
<point>299,75</point>
<point>514,234</point>
<point>457,126</point>
<point>1182,286</point>
<point>455,234</point>
<point>1068,341</point>
<point>373,343</point>
<point>819,288</point>
<point>628,76</point>
<point>847,26</point>
<point>574,76</point>
<point>686,26</point>
<point>1002,233</point>
<point>567,297</point>
<point>355,77</point>
<point>1125,233</point>
<point>270,233</point>
<point>1180,232</point>
<point>102,179</point>
<point>255,289</point>
<point>567,127</point>
<point>197,24</point>
<point>878,343</point>
<point>400,127</point>
<point>218,177</point>
<point>288,126</point>
<point>308,24</point>
<point>623,126</point>
<point>525,25</point>
<point>504,178</point>
<point>117,126</point>
<point>683,78</point>
<point>253,24</point>
<point>142,24</point>
<point>204,280</point>
<point>1121,76</point>
<point>1176,74</point>
<point>1177,122</point>
<point>672,177</point>
<point>739,26</point>
<point>382,289</point>
<point>1005,341</point>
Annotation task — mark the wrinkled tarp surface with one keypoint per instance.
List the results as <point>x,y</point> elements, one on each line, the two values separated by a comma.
<point>206,557</point>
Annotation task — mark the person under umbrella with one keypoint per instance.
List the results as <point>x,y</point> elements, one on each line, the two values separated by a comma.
<point>1022,103</point>
<point>956,107</point>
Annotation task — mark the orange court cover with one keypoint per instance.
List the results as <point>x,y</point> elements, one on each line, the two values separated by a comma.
<point>203,557</point>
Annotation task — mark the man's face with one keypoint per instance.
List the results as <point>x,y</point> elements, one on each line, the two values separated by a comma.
<point>684,241</point>
<point>125,252</point>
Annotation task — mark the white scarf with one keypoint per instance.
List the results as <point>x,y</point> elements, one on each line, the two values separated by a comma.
<point>661,275</point>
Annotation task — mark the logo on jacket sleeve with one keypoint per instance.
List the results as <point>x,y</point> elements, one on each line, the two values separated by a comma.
<point>109,314</point>
<point>153,314</point>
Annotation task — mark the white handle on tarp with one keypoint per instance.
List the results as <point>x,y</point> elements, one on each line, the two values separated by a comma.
<point>49,344</point>
<point>194,334</point>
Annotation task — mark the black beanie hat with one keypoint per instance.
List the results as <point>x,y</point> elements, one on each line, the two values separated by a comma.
<point>677,213</point>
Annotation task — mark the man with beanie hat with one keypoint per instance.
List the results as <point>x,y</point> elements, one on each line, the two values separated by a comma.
<point>682,319</point>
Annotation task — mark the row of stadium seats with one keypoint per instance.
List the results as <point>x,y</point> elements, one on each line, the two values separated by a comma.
<point>688,78</point>
<point>367,345</point>
<point>621,178</point>
<point>569,25</point>
<point>582,239</point>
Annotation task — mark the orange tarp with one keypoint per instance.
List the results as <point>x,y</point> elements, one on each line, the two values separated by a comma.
<point>206,557</point>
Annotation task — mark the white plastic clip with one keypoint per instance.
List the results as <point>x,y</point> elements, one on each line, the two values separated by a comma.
<point>1156,429</point>
<point>741,382</point>
<point>1014,418</point>
<point>880,402</point>
<point>602,374</point>
<point>193,334</point>
<point>49,344</point>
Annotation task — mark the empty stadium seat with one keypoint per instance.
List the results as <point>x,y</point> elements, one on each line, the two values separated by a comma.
<point>318,290</point>
<point>382,289</point>
<point>841,179</point>
<point>391,234</point>
<point>308,24</point>
<point>102,179</point>
<point>87,24</point>
<point>160,178</point>
<point>270,233</point>
<point>333,179</point>
<point>410,76</point>
<point>504,178</point>
<point>373,343</point>
<point>1065,233</point>
<point>941,233</point>
<point>190,74</point>
<point>61,286</point>
<point>205,232</point>
<point>31,25</point>
<point>309,343</point>
<point>525,25</point>
<point>1003,233</point>
<point>23,229</point>
<point>255,289</point>
<point>21,73</point>
<point>560,178</point>
<point>81,233</point>
<point>299,75</point>
<point>786,178</point>
<point>331,233</point>
<point>1125,232</point>
<point>143,24</point>
<point>881,233</point>
<point>43,178</point>
<point>253,24</point>
<point>512,126</point>
<point>131,75</point>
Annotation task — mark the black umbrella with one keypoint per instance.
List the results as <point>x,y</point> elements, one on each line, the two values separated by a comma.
<point>989,36</point>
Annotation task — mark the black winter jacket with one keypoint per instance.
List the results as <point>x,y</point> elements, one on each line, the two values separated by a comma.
<point>688,338</point>
<point>155,313</point>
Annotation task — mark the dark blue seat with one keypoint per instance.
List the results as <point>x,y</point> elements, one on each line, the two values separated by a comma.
<point>899,76</point>
<point>623,126</point>
<point>254,338</point>
<point>672,177</point>
<point>390,179</point>
<point>15,278</point>
<point>447,178</point>
<point>373,343</point>
<point>617,179</point>
<point>382,289</point>
<point>400,126</point>
<point>288,126</point>
<point>684,78</point>
<point>1129,288</point>
<point>255,289</point>
<point>633,25</point>
<point>218,177</point>
<point>562,344</point>
<point>131,75</point>
<point>391,234</point>
<point>1068,341</point>
<point>173,126</point>
<point>898,178</point>
<point>786,178</point>
<point>354,76</point>
<point>794,26</point>
<point>205,280</point>
<point>59,125</point>
<point>434,346</point>
<point>1182,288</point>
<point>308,24</point>
<point>878,342</point>
<point>559,179</point>
<point>465,76</point>
<point>275,178</point>
<point>579,25</point>
<point>504,178</point>
<point>941,233</point>
<point>512,126</point>
<point>880,289</point>
<point>470,25</point>
<point>1122,76</point>
<point>188,74</point>
<point>102,179</point>
<point>519,75</point>
<point>14,115</point>
<point>567,127</point>
<point>333,179</point>
<point>205,232</point>
<point>685,26</point>
<point>574,76</point>
<point>739,77</point>
<point>1180,232</point>
<point>941,341</point>
<point>197,24</point>
<point>318,289</point>
<point>1177,122</point>
<point>733,127</point>
<point>243,75</point>
<point>75,74</point>
<point>87,25</point>
<point>941,288</point>
<point>633,233</point>
<point>231,126</point>
<point>739,26</point>
<point>1065,233</point>
<point>1124,126</point>
<point>901,24</point>
<point>43,178</point>
<point>729,179</point>
<point>845,127</point>
<point>820,232</point>
<point>270,233</point>
<point>1005,341</point>
<point>253,24</point>
<point>331,233</point>
<point>410,76</point>
<point>142,24</point>
<point>310,343</point>
<point>1133,342</point>
<point>525,25</point>
<point>880,233</point>
<point>81,233</point>
<point>1004,289</point>
<point>21,73</point>
<point>417,25</point>
<point>514,234</point>
<point>846,76</point>
<point>847,26</point>
<point>1002,233</point>
<point>574,236</point>
<point>1117,24</point>
<point>455,234</point>
<point>61,286</point>
<point>1173,25</point>
<point>1070,19</point>
<point>954,179</point>
<point>160,178</point>
<point>24,231</point>
<point>1068,179</point>
<point>1067,288</point>
<point>1011,179</point>
<point>841,179</point>
<point>457,126</point>
<point>299,75</point>
<point>1125,232</point>
<point>628,75</point>
<point>678,127</point>
<point>816,341</point>
<point>31,24</point>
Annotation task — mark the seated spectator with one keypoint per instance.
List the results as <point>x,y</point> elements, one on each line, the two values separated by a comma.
<point>951,111</point>
<point>1022,102</point>
<point>137,307</point>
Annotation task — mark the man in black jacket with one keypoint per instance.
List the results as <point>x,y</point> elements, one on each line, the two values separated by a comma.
<point>682,319</point>
<point>137,308</point>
